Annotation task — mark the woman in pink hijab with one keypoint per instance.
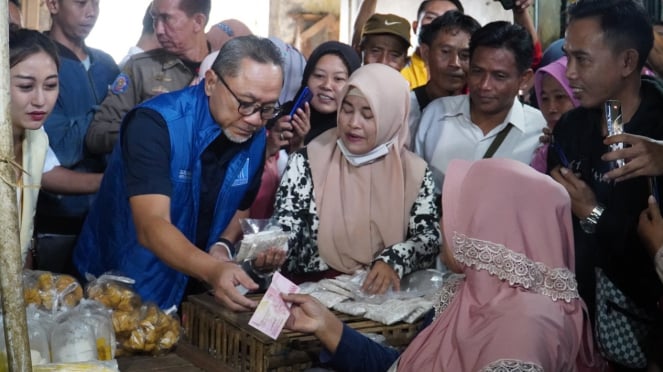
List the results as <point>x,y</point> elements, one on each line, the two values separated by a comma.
<point>517,306</point>
<point>555,98</point>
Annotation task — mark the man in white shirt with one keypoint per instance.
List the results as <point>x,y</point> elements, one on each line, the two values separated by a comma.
<point>490,121</point>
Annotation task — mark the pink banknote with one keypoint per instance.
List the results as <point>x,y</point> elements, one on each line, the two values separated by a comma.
<point>272,312</point>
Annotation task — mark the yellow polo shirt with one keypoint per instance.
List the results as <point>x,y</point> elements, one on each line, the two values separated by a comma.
<point>415,72</point>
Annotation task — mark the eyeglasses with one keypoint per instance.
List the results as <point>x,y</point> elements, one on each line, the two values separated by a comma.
<point>267,112</point>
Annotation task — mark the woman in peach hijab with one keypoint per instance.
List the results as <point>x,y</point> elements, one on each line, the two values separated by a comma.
<point>355,197</point>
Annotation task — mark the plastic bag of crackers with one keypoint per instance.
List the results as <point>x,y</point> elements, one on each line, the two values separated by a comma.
<point>51,291</point>
<point>139,327</point>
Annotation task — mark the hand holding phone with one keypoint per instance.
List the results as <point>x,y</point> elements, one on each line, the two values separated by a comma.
<point>303,97</point>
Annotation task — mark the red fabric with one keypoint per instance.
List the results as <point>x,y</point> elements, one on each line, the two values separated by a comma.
<point>263,205</point>
<point>538,55</point>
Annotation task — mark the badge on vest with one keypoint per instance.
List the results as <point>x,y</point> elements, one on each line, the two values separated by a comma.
<point>243,176</point>
<point>120,84</point>
<point>184,175</point>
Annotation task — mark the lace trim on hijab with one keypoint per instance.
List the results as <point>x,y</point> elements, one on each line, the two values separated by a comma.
<point>447,293</point>
<point>516,268</point>
<point>512,365</point>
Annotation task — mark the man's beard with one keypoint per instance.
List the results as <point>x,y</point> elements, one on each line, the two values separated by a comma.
<point>234,138</point>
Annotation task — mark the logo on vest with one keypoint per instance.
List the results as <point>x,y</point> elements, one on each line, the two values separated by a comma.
<point>184,175</point>
<point>243,176</point>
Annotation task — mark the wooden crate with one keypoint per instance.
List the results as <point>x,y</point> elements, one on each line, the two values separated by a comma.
<point>227,336</point>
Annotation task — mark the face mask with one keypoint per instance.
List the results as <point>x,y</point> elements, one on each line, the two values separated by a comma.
<point>367,158</point>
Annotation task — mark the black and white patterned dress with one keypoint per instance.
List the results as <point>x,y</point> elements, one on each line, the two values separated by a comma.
<point>296,211</point>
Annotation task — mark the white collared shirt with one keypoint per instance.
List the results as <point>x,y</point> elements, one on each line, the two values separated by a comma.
<point>446,132</point>
<point>413,119</point>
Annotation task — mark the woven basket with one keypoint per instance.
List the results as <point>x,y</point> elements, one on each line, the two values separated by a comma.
<point>227,336</point>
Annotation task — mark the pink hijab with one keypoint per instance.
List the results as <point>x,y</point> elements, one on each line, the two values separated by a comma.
<point>365,209</point>
<point>556,69</point>
<point>510,230</point>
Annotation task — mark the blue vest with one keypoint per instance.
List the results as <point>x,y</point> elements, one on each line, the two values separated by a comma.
<point>108,240</point>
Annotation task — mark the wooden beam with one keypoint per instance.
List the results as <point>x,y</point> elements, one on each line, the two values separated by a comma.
<point>11,263</point>
<point>35,15</point>
<point>323,23</point>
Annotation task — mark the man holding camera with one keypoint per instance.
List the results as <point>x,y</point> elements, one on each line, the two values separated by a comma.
<point>607,43</point>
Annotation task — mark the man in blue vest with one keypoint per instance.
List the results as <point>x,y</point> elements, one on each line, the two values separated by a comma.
<point>187,166</point>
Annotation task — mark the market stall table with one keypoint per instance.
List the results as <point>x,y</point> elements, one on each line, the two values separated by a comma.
<point>226,336</point>
<point>185,358</point>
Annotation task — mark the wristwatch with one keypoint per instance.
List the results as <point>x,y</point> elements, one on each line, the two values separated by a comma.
<point>588,224</point>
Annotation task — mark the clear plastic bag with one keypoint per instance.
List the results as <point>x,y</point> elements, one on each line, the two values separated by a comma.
<point>422,282</point>
<point>98,317</point>
<point>51,291</point>
<point>45,318</point>
<point>73,339</point>
<point>259,236</point>
<point>394,310</point>
<point>140,328</point>
<point>156,331</point>
<point>38,335</point>
<point>114,292</point>
<point>417,284</point>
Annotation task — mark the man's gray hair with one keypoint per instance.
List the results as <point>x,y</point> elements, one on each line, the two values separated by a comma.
<point>258,49</point>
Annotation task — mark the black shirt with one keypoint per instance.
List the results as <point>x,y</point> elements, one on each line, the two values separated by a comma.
<point>615,246</point>
<point>147,166</point>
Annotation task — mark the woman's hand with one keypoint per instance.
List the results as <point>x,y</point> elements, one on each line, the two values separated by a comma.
<point>308,315</point>
<point>546,136</point>
<point>301,125</point>
<point>279,136</point>
<point>289,131</point>
<point>380,278</point>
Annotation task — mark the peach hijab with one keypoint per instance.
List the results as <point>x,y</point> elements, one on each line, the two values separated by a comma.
<point>365,209</point>
<point>510,229</point>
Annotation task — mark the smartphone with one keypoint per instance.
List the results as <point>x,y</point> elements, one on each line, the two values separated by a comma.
<point>304,97</point>
<point>508,4</point>
<point>560,153</point>
<point>653,188</point>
